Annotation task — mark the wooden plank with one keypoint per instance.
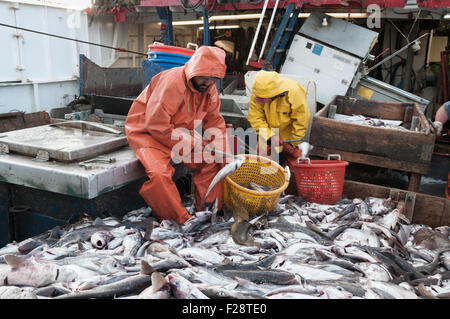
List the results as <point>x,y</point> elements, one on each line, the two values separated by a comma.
<point>372,160</point>
<point>429,210</point>
<point>423,120</point>
<point>442,148</point>
<point>414,182</point>
<point>383,110</point>
<point>18,120</point>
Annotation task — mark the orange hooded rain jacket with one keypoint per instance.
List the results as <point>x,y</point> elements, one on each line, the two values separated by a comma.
<point>170,104</point>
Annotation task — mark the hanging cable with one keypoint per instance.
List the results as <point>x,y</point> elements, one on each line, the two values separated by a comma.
<point>412,27</point>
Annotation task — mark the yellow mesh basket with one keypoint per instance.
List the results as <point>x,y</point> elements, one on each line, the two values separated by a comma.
<point>259,170</point>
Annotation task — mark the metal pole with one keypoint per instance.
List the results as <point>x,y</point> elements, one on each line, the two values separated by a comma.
<point>219,152</point>
<point>268,30</point>
<point>257,31</point>
<point>444,75</point>
<point>205,26</point>
<point>165,15</point>
<point>395,53</point>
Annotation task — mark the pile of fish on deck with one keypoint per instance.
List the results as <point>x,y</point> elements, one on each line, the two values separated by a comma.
<point>353,249</point>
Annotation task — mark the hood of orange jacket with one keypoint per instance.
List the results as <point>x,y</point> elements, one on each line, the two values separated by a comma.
<point>169,108</point>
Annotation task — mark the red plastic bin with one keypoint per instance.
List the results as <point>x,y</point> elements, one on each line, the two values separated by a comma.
<point>170,49</point>
<point>319,181</point>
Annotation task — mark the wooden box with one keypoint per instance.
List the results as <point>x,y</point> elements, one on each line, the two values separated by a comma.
<point>405,150</point>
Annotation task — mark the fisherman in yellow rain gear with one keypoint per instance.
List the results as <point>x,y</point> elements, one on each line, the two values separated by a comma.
<point>278,103</point>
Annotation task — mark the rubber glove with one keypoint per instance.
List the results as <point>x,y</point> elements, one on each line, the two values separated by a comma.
<point>291,151</point>
<point>438,127</point>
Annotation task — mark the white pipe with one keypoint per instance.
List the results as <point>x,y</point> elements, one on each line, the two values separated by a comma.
<point>257,31</point>
<point>36,106</point>
<point>268,29</point>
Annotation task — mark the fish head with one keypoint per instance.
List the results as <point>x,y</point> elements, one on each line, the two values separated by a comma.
<point>180,286</point>
<point>211,207</point>
<point>66,274</point>
<point>99,239</point>
<point>112,265</point>
<point>237,162</point>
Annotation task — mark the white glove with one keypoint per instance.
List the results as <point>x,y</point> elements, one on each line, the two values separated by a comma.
<point>438,126</point>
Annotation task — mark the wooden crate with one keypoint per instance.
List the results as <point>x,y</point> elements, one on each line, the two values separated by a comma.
<point>428,210</point>
<point>404,150</point>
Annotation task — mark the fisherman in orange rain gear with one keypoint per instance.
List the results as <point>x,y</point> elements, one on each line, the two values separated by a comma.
<point>161,124</point>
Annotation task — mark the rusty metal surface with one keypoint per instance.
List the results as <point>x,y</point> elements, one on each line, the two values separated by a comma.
<point>61,142</point>
<point>123,82</point>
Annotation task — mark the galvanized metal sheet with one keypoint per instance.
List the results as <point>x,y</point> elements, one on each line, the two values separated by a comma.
<point>63,143</point>
<point>381,91</point>
<point>73,179</point>
<point>340,34</point>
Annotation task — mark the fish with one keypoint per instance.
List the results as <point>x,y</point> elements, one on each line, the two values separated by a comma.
<point>209,276</point>
<point>359,248</point>
<point>12,292</point>
<point>208,256</point>
<point>183,288</point>
<point>131,284</point>
<point>100,239</point>
<point>215,292</point>
<point>32,273</point>
<point>240,232</point>
<point>126,286</point>
<point>9,249</point>
<point>100,264</point>
<point>264,276</point>
<point>305,147</point>
<point>393,290</point>
<point>263,263</point>
<point>307,272</point>
<point>228,169</point>
<point>160,288</point>
<point>167,256</point>
<point>376,272</point>
<point>430,239</point>
<point>300,289</point>
<point>131,243</point>
<point>82,234</point>
<point>256,187</point>
<point>195,223</point>
<point>431,267</point>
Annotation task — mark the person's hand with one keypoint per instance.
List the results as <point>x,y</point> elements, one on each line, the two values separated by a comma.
<point>275,141</point>
<point>438,127</point>
<point>291,151</point>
